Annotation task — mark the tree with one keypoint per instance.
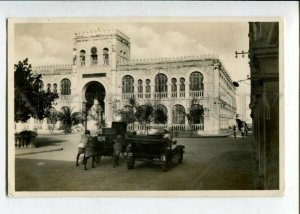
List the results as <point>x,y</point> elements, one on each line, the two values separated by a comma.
<point>69,118</point>
<point>160,116</point>
<point>30,99</point>
<point>144,113</point>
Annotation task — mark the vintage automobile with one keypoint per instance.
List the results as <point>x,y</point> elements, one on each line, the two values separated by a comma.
<point>154,149</point>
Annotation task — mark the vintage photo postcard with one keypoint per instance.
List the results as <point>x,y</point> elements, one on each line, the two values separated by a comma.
<point>163,107</point>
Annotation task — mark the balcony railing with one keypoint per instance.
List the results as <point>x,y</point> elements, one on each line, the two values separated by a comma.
<point>178,127</point>
<point>161,95</point>
<point>140,95</point>
<point>147,95</point>
<point>197,127</point>
<point>127,96</point>
<point>196,94</point>
<point>174,94</point>
<point>182,94</point>
<point>94,62</point>
<point>164,95</point>
<point>141,127</point>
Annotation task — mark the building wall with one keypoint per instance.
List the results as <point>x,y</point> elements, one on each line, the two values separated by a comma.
<point>264,58</point>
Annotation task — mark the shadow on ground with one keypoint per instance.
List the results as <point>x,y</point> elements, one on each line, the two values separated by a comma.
<point>233,171</point>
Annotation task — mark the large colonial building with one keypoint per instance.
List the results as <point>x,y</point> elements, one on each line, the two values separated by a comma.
<point>103,72</point>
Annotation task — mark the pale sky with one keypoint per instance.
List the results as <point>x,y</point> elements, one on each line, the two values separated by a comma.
<point>51,43</point>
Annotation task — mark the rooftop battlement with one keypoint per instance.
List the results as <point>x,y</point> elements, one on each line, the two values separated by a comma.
<point>52,67</point>
<point>169,59</point>
<point>101,32</point>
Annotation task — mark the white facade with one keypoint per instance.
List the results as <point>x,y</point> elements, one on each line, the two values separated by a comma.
<point>101,60</point>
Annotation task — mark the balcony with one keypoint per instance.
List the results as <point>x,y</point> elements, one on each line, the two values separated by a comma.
<point>197,94</point>
<point>160,95</point>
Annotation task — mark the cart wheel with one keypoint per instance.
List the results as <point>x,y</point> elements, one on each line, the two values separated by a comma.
<point>130,164</point>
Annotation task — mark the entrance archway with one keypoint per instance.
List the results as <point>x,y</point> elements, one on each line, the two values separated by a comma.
<point>94,91</point>
<point>93,101</point>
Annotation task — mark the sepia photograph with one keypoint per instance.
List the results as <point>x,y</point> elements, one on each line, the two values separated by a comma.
<point>145,106</point>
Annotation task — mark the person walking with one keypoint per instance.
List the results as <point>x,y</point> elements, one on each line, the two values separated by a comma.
<point>82,144</point>
<point>243,131</point>
<point>234,131</point>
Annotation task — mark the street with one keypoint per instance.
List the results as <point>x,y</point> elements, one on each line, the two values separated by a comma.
<point>209,164</point>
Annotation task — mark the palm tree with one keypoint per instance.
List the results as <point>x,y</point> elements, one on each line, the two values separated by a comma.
<point>69,118</point>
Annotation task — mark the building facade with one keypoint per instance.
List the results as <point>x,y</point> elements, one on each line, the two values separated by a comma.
<point>264,63</point>
<point>104,73</point>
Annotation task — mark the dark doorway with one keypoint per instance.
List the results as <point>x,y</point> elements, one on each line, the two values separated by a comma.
<point>95,91</point>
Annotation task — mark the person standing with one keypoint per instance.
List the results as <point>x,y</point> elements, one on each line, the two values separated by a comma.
<point>234,131</point>
<point>82,144</point>
<point>246,129</point>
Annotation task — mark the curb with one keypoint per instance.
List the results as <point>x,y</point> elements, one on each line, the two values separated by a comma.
<point>37,152</point>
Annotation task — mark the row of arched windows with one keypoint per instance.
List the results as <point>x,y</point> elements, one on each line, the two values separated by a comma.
<point>178,113</point>
<point>94,56</point>
<point>65,87</point>
<point>161,83</point>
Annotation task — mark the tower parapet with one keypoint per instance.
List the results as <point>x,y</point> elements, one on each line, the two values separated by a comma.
<point>101,32</point>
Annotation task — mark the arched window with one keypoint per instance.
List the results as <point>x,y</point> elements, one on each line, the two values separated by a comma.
<point>148,89</point>
<point>178,113</point>
<point>196,114</point>
<point>105,56</point>
<point>127,84</point>
<point>94,56</point>
<point>161,83</point>
<point>54,88</point>
<point>161,114</point>
<point>196,81</point>
<point>65,87</point>
<point>174,85</point>
<point>182,84</point>
<point>140,86</point>
<point>82,57</point>
<point>48,87</point>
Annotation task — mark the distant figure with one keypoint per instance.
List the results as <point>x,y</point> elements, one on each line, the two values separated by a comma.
<point>82,144</point>
<point>234,131</point>
<point>118,144</point>
<point>246,129</point>
<point>243,131</point>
